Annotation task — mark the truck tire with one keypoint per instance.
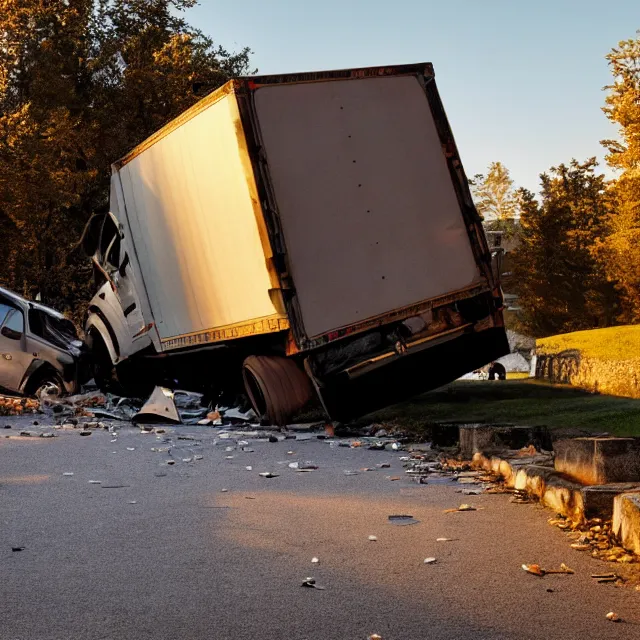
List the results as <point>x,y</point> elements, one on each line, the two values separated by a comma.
<point>276,386</point>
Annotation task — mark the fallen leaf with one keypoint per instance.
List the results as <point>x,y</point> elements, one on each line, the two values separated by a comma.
<point>534,569</point>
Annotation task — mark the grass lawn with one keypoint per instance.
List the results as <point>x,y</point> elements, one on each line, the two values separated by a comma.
<point>521,402</point>
<point>613,343</point>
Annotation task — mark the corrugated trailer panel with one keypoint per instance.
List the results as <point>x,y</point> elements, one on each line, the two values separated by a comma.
<point>190,208</point>
<point>368,210</point>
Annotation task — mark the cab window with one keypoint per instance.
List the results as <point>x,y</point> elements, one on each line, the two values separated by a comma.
<point>110,243</point>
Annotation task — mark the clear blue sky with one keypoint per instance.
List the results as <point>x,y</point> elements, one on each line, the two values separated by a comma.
<point>521,81</point>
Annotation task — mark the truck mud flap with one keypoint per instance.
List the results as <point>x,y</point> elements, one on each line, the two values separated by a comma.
<point>347,398</point>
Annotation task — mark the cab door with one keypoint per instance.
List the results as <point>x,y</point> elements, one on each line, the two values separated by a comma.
<point>115,264</point>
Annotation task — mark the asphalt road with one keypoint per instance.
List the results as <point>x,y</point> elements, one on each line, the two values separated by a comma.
<point>162,552</point>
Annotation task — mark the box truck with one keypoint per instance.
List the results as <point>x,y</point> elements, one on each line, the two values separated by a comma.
<point>291,236</point>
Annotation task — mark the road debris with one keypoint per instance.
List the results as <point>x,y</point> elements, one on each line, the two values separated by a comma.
<point>520,497</point>
<point>160,407</point>
<point>462,507</point>
<point>614,617</point>
<point>429,560</point>
<point>375,636</point>
<point>402,520</point>
<point>315,560</point>
<point>95,481</point>
<point>311,583</point>
<point>373,539</point>
<point>68,473</point>
<point>537,570</point>
<point>604,578</point>
<point>445,539</point>
<point>268,474</point>
<point>350,472</point>
<point>85,433</point>
<point>17,548</point>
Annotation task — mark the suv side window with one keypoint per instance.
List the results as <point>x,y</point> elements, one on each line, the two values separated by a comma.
<point>4,311</point>
<point>13,327</point>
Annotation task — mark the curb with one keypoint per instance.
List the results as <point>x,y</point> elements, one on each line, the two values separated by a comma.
<point>543,482</point>
<point>570,499</point>
<point>626,520</point>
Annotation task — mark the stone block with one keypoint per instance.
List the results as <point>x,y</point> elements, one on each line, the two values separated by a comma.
<point>598,499</point>
<point>476,438</point>
<point>626,520</point>
<point>596,461</point>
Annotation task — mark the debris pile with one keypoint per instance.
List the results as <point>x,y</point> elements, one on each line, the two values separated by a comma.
<point>10,406</point>
<point>595,537</point>
<point>425,466</point>
<point>163,406</point>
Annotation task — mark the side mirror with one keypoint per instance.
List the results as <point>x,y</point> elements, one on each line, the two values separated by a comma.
<point>12,334</point>
<point>122,269</point>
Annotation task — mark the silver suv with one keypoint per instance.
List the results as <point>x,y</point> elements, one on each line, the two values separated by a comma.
<point>39,348</point>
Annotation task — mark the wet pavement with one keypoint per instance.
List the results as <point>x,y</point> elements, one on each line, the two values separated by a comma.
<point>132,546</point>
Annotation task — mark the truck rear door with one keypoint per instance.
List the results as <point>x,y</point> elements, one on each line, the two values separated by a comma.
<point>369,212</point>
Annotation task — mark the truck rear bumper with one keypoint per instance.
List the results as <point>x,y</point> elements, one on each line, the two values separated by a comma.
<point>382,382</point>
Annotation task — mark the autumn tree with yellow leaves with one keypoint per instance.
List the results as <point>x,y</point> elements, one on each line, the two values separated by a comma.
<point>81,83</point>
<point>619,248</point>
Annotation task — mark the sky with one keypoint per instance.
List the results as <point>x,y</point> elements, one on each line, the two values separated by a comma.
<point>521,82</point>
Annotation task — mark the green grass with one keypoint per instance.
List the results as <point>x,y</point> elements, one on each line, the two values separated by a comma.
<point>566,409</point>
<point>613,343</point>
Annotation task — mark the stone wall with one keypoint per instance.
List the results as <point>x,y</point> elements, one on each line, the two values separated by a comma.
<point>612,377</point>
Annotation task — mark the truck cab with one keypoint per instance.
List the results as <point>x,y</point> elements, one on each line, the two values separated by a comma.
<point>114,326</point>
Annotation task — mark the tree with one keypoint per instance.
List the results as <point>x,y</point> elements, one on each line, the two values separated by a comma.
<point>561,286</point>
<point>495,198</point>
<point>81,83</point>
<point>618,251</point>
